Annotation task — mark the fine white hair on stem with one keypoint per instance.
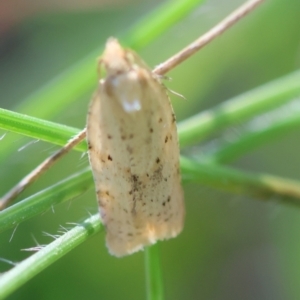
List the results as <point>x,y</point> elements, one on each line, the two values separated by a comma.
<point>13,233</point>
<point>34,249</point>
<point>63,229</point>
<point>27,145</point>
<point>8,261</point>
<point>54,236</point>
<point>2,136</point>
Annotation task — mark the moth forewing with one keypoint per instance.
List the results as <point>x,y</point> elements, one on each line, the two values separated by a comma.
<point>134,154</point>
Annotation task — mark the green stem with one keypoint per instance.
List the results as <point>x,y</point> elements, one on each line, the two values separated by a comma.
<point>38,128</point>
<point>154,279</point>
<point>257,185</point>
<point>40,202</point>
<point>240,108</point>
<point>247,141</point>
<point>33,265</point>
<point>158,21</point>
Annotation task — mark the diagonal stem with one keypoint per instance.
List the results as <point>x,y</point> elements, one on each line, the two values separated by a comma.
<point>198,44</point>
<point>40,169</point>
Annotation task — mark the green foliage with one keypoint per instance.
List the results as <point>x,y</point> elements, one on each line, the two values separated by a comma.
<point>247,58</point>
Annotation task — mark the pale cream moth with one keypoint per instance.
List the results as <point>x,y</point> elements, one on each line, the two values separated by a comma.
<point>134,154</point>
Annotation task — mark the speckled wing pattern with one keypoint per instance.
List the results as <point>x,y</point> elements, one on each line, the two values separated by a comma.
<point>134,154</point>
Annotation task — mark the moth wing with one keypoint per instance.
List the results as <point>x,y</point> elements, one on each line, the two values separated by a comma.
<point>134,155</point>
<point>161,202</point>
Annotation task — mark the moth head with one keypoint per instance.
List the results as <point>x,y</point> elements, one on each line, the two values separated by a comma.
<point>115,59</point>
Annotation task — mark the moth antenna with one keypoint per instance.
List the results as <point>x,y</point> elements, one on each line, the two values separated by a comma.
<point>176,94</point>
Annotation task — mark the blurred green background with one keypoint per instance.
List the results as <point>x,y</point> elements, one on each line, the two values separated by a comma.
<point>232,247</point>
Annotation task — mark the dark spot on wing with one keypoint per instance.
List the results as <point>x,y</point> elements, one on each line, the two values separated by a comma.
<point>103,197</point>
<point>173,118</point>
<point>109,158</point>
<point>129,149</point>
<point>157,160</point>
<point>157,176</point>
<point>135,177</point>
<point>166,139</point>
<point>151,130</point>
<point>135,184</point>
<point>109,136</point>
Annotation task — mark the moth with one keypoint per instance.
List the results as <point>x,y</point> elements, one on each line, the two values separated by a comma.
<point>134,154</point>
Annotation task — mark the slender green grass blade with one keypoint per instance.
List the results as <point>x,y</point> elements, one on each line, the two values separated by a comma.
<point>40,202</point>
<point>240,108</point>
<point>154,278</point>
<point>33,265</point>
